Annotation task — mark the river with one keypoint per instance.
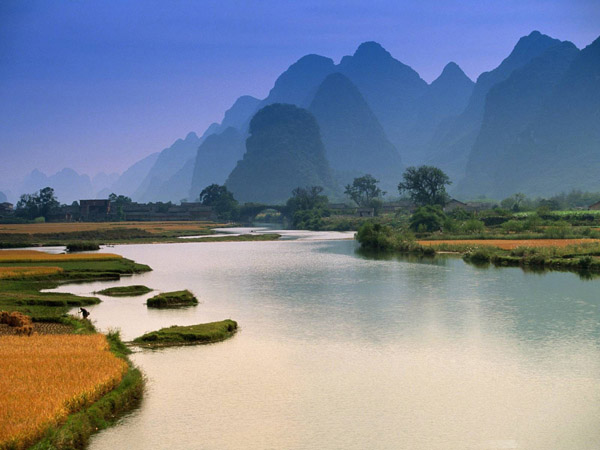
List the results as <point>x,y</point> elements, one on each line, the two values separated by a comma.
<point>341,351</point>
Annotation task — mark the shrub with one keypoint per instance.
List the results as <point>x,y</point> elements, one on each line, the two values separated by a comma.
<point>82,246</point>
<point>479,255</point>
<point>473,226</point>
<point>585,262</point>
<point>427,218</point>
<point>375,236</point>
<point>513,226</point>
<point>559,230</point>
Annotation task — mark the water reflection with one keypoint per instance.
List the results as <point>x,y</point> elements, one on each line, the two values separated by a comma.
<point>341,350</point>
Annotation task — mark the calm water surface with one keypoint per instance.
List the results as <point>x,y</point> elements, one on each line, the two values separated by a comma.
<point>340,351</point>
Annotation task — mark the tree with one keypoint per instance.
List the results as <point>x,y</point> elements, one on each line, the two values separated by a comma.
<point>428,218</point>
<point>306,207</point>
<point>39,204</point>
<point>221,199</point>
<point>426,185</point>
<point>119,199</point>
<point>515,202</point>
<point>365,193</point>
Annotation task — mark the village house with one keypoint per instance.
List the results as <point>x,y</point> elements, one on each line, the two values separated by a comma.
<point>594,207</point>
<point>6,209</point>
<point>94,210</point>
<point>365,212</point>
<point>454,204</point>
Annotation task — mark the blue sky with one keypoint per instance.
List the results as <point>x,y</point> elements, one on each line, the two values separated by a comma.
<point>97,85</point>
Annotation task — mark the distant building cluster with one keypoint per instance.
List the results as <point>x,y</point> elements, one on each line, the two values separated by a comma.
<point>103,210</point>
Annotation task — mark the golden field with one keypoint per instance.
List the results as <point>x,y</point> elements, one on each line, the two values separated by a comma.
<point>510,244</point>
<point>22,256</point>
<point>74,227</point>
<point>43,378</point>
<point>23,272</point>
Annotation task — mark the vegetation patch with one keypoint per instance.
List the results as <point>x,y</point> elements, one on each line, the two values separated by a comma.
<point>37,234</point>
<point>205,333</point>
<point>82,246</point>
<point>240,238</point>
<point>30,271</point>
<point>125,291</point>
<point>17,272</point>
<point>374,236</point>
<point>58,383</point>
<point>76,430</point>
<point>508,244</point>
<point>173,299</point>
<point>12,256</point>
<point>56,375</point>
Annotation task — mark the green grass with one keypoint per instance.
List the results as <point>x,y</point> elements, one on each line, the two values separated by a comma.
<point>241,238</point>
<point>194,334</point>
<point>24,295</point>
<point>76,431</point>
<point>583,258</point>
<point>173,299</point>
<point>125,291</point>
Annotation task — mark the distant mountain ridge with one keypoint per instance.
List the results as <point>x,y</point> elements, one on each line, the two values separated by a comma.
<point>354,140</point>
<point>215,158</point>
<point>511,106</point>
<point>556,147</point>
<point>376,114</point>
<point>450,150</point>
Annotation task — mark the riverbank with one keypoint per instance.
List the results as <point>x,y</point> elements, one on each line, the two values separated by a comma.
<point>22,290</point>
<point>576,255</point>
<point>76,385</point>
<point>92,234</point>
<point>91,383</point>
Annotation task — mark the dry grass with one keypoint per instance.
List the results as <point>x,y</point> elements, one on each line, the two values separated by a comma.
<point>45,378</point>
<point>510,244</point>
<point>22,256</point>
<point>74,227</point>
<point>16,272</point>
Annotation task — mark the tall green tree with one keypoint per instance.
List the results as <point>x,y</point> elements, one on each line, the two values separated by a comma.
<point>39,204</point>
<point>426,185</point>
<point>221,199</point>
<point>365,192</point>
<point>118,202</point>
<point>306,207</point>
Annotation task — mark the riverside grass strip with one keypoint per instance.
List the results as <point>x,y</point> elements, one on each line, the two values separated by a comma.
<point>509,244</point>
<point>18,272</point>
<point>45,378</point>
<point>159,228</point>
<point>32,256</point>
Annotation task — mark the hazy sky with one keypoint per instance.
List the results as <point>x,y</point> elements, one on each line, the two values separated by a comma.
<point>97,85</point>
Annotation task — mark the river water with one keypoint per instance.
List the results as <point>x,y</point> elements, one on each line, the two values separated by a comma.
<point>342,351</point>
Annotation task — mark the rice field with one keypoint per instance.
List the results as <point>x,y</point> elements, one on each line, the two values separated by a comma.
<point>32,256</point>
<point>510,244</point>
<point>43,378</point>
<point>76,227</point>
<point>16,272</point>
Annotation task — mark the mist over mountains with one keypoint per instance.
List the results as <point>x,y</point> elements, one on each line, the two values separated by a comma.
<point>530,125</point>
